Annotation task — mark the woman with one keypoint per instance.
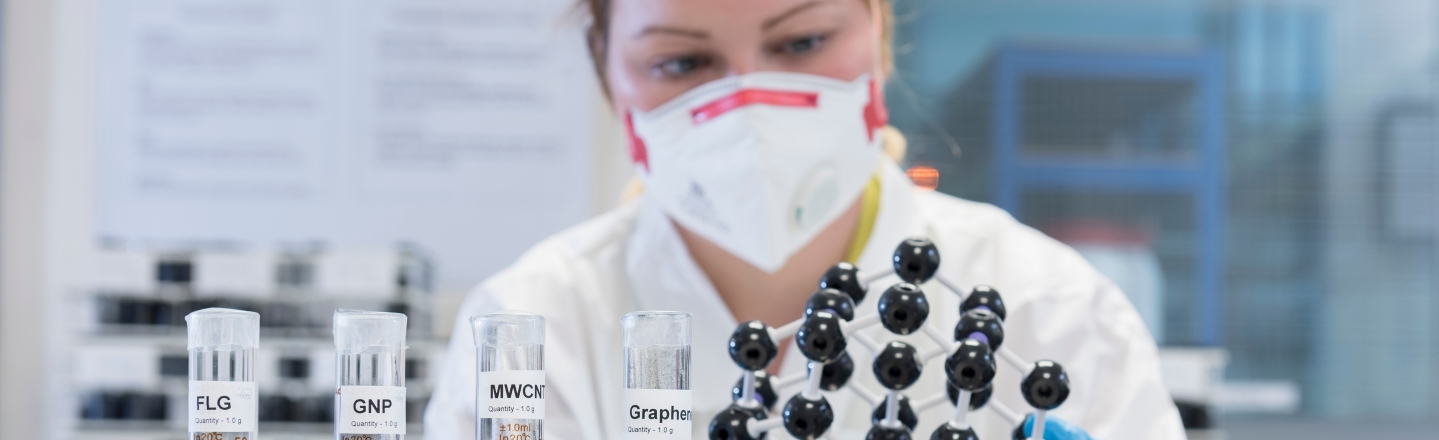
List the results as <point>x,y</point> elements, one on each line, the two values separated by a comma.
<point>756,128</point>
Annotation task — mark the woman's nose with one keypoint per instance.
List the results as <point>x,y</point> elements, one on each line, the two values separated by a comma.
<point>738,69</point>
<point>741,64</point>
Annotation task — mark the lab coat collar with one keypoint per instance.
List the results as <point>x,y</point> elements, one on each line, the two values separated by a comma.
<point>662,273</point>
<point>665,277</point>
<point>896,221</point>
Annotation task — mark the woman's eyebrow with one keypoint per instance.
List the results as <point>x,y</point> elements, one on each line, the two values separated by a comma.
<point>772,22</point>
<point>666,30</point>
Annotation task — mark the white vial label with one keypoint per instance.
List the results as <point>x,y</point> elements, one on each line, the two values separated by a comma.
<point>223,406</point>
<point>512,394</point>
<point>372,410</point>
<point>657,414</point>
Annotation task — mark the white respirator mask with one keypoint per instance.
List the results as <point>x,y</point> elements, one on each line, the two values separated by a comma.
<point>760,163</point>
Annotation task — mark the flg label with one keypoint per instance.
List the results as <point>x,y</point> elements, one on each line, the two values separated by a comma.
<point>513,394</point>
<point>371,410</point>
<point>223,406</point>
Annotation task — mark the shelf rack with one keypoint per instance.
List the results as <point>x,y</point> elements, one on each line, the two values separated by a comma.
<point>1198,171</point>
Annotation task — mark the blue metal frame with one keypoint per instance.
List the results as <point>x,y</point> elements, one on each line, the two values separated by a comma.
<point>1204,177</point>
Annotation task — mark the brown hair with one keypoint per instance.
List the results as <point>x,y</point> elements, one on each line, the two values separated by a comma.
<point>596,14</point>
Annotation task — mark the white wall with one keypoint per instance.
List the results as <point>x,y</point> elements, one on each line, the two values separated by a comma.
<point>47,203</point>
<point>27,206</point>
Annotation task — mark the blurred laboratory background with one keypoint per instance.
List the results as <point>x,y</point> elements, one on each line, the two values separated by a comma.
<point>1260,176</point>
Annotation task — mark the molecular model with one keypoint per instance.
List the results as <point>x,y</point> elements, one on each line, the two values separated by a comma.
<point>829,324</point>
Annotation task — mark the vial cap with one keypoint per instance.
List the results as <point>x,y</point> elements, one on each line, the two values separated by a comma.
<point>223,328</point>
<point>361,330</point>
<point>508,328</point>
<point>665,329</point>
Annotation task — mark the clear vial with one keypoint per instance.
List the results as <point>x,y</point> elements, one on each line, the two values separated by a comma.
<point>222,345</point>
<point>511,355</point>
<point>657,375</point>
<point>657,350</point>
<point>370,375</point>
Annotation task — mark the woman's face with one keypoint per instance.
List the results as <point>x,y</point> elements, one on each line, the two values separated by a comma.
<point>658,49</point>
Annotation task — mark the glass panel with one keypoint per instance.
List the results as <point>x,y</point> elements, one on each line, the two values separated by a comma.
<point>1323,119</point>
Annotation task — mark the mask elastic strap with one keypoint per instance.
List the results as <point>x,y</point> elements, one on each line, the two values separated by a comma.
<point>876,116</point>
<point>876,15</point>
<point>639,154</point>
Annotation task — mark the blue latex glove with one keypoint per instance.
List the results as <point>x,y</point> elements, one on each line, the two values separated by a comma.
<point>1055,429</point>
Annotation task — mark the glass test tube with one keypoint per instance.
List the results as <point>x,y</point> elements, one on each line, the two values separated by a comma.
<point>510,376</point>
<point>223,402</point>
<point>657,399</point>
<point>370,375</point>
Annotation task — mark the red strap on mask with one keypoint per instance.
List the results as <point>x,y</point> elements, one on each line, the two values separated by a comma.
<point>753,96</point>
<point>638,154</point>
<point>876,116</point>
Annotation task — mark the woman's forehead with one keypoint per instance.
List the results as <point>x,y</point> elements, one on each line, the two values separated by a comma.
<point>631,18</point>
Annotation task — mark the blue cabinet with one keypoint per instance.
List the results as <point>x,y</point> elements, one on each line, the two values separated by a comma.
<point>1129,121</point>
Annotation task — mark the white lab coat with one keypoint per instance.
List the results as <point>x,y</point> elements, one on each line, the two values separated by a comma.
<point>582,280</point>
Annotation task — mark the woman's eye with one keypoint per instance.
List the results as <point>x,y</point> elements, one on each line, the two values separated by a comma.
<point>802,45</point>
<point>681,66</point>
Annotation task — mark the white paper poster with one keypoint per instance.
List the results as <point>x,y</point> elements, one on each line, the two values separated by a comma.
<point>462,126</point>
